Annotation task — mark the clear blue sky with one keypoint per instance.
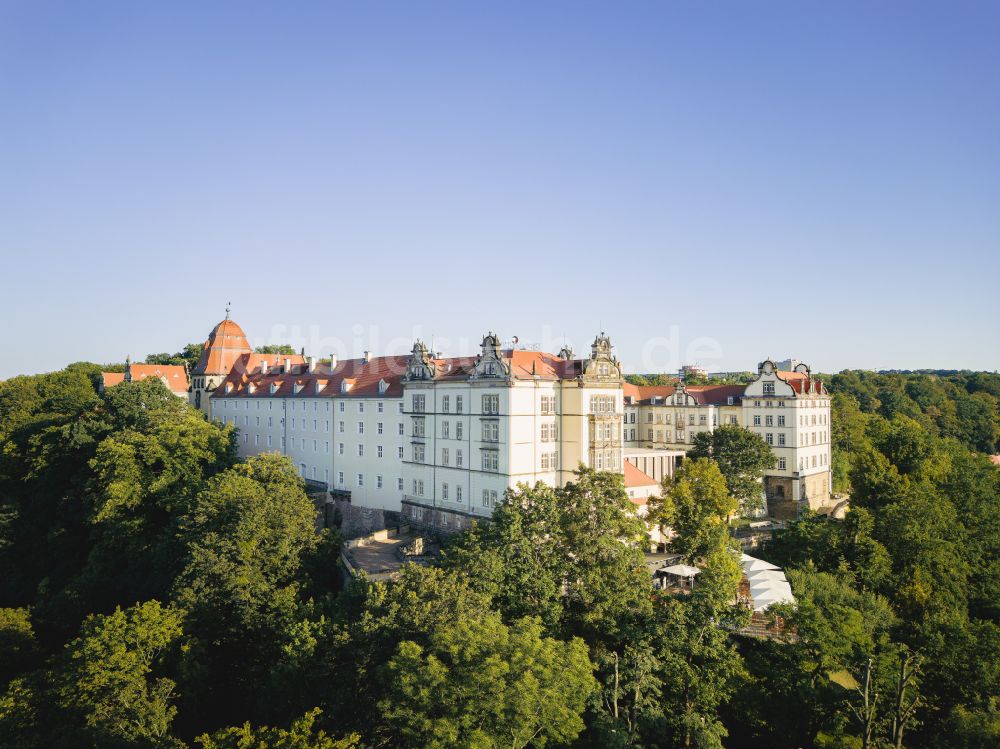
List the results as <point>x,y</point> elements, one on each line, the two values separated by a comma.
<point>805,179</point>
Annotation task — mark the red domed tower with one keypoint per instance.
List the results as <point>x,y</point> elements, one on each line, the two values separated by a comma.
<point>226,343</point>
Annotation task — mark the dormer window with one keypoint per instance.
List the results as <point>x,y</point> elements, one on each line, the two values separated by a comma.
<point>729,401</point>
<point>768,388</point>
<point>345,386</point>
<point>229,387</point>
<point>274,388</point>
<point>491,368</point>
<point>251,388</point>
<point>383,386</point>
<point>297,387</point>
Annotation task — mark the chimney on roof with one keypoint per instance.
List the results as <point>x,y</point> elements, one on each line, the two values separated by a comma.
<point>368,356</point>
<point>288,366</point>
<point>312,363</point>
<point>333,362</point>
<point>263,366</point>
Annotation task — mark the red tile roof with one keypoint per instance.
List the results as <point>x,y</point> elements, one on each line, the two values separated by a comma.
<point>645,393</point>
<point>363,378</point>
<point>716,395</point>
<point>524,365</point>
<point>635,478</point>
<point>225,344</point>
<point>174,376</point>
<point>807,386</point>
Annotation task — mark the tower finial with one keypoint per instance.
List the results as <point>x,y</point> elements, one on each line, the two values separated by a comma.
<point>229,306</point>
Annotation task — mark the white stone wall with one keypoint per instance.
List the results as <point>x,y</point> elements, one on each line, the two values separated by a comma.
<point>308,430</point>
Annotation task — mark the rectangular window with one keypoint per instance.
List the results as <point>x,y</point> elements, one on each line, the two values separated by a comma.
<point>769,421</point>
<point>768,388</point>
<point>445,429</point>
<point>491,460</point>
<point>445,456</point>
<point>379,428</point>
<point>756,420</point>
<point>419,402</point>
<point>361,479</point>
<point>340,448</point>
<point>458,404</point>
<point>781,439</point>
<point>399,452</point>
<point>381,407</point>
<point>361,407</point>
<point>361,451</point>
<point>781,464</point>
<point>491,431</point>
<point>418,453</point>
<point>400,429</point>
<point>458,430</point>
<point>769,438</point>
<point>781,420</point>
<point>340,478</point>
<point>380,451</point>
<point>361,427</point>
<point>340,427</point>
<point>458,493</point>
<point>458,458</point>
<point>418,426</point>
<point>491,404</point>
<point>378,482</point>
<point>445,403</point>
<point>399,484</point>
<point>444,490</point>
<point>341,404</point>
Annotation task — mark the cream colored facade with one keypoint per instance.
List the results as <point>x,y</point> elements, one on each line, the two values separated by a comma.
<point>788,409</point>
<point>341,425</point>
<point>442,439</point>
<point>482,425</point>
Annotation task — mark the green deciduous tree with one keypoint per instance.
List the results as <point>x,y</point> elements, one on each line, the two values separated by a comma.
<point>742,457</point>
<point>303,734</point>
<point>107,679</point>
<point>247,535</point>
<point>276,348</point>
<point>479,683</point>
<point>696,504</point>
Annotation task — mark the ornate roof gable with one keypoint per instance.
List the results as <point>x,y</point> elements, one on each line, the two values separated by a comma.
<point>491,363</point>
<point>602,366</point>
<point>420,365</point>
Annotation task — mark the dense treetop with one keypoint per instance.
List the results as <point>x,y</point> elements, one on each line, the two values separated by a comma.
<point>157,592</point>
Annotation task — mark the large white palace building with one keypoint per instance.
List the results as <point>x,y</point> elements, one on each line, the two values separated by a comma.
<point>441,439</point>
